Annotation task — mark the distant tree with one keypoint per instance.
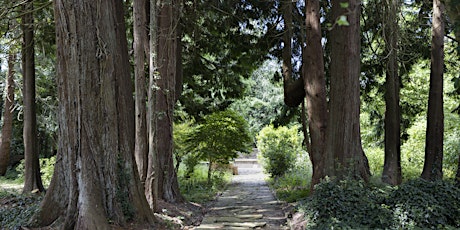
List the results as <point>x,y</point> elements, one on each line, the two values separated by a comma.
<point>5,141</point>
<point>432,168</point>
<point>343,140</point>
<point>219,138</point>
<point>95,183</point>
<point>32,177</point>
<point>392,166</point>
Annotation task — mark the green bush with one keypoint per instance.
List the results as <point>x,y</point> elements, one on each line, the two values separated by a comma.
<point>351,204</point>
<point>294,185</point>
<point>278,148</point>
<point>219,138</point>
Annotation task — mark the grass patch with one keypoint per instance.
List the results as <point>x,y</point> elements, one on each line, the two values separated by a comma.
<point>291,187</point>
<point>197,189</point>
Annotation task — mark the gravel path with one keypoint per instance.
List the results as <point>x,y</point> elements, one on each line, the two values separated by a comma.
<point>248,203</point>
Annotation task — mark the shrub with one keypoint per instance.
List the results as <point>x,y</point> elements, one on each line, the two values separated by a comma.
<point>278,148</point>
<point>351,204</point>
<point>294,185</point>
<point>347,204</point>
<point>219,138</point>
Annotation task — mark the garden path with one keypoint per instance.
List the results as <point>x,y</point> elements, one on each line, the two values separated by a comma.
<point>248,203</point>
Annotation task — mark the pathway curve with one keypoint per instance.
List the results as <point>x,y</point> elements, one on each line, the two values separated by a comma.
<point>248,203</point>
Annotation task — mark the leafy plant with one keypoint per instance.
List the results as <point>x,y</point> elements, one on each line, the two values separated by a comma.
<point>219,138</point>
<point>279,148</point>
<point>351,204</point>
<point>195,187</point>
<point>17,209</point>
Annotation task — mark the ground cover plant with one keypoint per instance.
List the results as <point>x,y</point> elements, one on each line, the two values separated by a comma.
<point>351,204</point>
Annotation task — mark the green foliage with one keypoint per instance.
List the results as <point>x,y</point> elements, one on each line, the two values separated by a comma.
<point>195,187</point>
<point>348,204</point>
<point>217,139</point>
<point>17,209</point>
<point>279,148</point>
<point>263,100</point>
<point>352,204</point>
<point>220,137</point>
<point>294,185</point>
<point>426,204</point>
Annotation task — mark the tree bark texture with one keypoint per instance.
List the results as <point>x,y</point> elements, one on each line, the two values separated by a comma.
<point>343,131</point>
<point>151,182</point>
<point>165,97</point>
<point>95,182</point>
<point>140,45</point>
<point>432,168</point>
<point>294,92</point>
<point>315,88</point>
<point>5,142</point>
<point>32,178</point>
<point>392,163</point>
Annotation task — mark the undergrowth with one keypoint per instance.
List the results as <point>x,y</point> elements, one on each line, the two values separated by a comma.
<point>350,204</point>
<point>197,189</point>
<point>16,209</point>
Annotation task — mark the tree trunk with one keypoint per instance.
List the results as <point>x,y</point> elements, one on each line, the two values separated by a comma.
<point>95,182</point>
<point>32,178</point>
<point>432,168</point>
<point>7,129</point>
<point>151,182</point>
<point>165,97</point>
<point>343,132</point>
<point>392,166</point>
<point>294,92</point>
<point>140,45</point>
<point>315,88</point>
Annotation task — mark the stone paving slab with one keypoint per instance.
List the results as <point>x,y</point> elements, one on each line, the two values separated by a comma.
<point>248,203</point>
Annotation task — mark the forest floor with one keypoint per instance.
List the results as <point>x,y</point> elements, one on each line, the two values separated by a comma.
<point>248,203</point>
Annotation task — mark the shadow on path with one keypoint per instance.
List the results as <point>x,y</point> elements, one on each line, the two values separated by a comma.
<point>248,203</point>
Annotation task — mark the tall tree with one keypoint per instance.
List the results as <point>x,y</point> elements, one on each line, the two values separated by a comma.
<point>392,165</point>
<point>32,178</point>
<point>141,51</point>
<point>95,184</point>
<point>165,98</point>
<point>294,92</point>
<point>432,168</point>
<point>343,140</point>
<point>5,139</point>
<point>151,181</point>
<point>315,88</point>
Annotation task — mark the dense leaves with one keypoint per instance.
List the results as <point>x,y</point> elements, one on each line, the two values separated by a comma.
<point>279,148</point>
<point>351,204</point>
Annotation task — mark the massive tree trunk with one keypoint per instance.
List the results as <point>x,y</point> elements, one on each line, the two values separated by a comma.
<point>95,182</point>
<point>32,178</point>
<point>343,140</point>
<point>315,88</point>
<point>294,92</point>
<point>432,168</point>
<point>165,97</point>
<point>392,166</point>
<point>7,129</point>
<point>140,45</point>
